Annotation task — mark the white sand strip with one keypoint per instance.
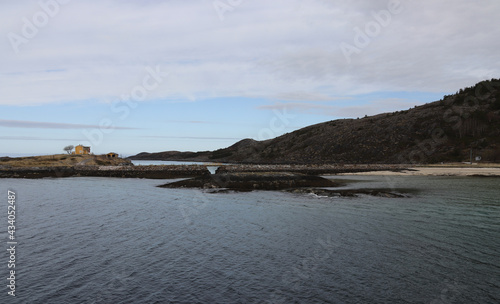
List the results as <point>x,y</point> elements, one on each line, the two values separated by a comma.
<point>436,171</point>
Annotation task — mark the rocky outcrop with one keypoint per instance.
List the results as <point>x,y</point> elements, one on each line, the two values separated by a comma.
<point>152,172</point>
<point>181,171</point>
<point>63,160</point>
<point>253,181</point>
<point>290,182</point>
<point>348,193</point>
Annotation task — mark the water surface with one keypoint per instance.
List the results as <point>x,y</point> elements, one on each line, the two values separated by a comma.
<point>110,240</point>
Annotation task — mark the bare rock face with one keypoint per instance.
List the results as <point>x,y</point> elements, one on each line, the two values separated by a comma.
<point>253,181</point>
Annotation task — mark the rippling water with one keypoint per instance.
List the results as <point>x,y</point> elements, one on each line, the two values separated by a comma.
<point>105,240</point>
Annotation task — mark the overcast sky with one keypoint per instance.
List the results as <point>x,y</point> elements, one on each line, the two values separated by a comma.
<point>202,74</point>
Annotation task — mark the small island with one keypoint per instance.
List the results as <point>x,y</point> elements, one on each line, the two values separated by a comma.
<point>247,181</point>
<point>272,181</point>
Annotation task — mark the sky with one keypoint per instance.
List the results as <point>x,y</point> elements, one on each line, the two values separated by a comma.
<point>194,75</point>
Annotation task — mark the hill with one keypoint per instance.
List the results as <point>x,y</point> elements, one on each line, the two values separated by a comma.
<point>442,131</point>
<point>62,160</point>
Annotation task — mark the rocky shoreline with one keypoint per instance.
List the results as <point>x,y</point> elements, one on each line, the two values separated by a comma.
<point>298,179</point>
<point>312,169</point>
<point>182,171</point>
<point>150,172</point>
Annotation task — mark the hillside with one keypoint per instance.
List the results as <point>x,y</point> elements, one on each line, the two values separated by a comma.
<point>442,131</point>
<point>61,160</point>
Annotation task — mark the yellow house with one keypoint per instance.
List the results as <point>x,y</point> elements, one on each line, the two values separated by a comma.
<point>111,155</point>
<point>82,150</point>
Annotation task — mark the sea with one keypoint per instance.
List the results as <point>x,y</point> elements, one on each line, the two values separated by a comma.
<point>115,240</point>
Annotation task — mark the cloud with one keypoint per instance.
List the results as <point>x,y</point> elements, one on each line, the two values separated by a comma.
<point>34,138</point>
<point>194,137</point>
<point>308,96</point>
<point>297,106</point>
<point>191,121</point>
<point>50,125</point>
<point>284,49</point>
<point>373,108</point>
<point>369,108</point>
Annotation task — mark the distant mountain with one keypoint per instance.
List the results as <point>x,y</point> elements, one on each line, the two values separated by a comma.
<point>442,131</point>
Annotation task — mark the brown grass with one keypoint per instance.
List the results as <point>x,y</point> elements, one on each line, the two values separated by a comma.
<point>62,160</point>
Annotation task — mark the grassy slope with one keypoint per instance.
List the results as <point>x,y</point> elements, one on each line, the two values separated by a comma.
<point>61,160</point>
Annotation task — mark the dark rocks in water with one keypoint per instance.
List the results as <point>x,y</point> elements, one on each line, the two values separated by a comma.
<point>348,193</point>
<point>37,172</point>
<point>290,182</point>
<point>253,181</point>
<point>484,175</point>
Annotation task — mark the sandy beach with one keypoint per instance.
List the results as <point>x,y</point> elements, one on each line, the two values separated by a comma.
<point>438,171</point>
